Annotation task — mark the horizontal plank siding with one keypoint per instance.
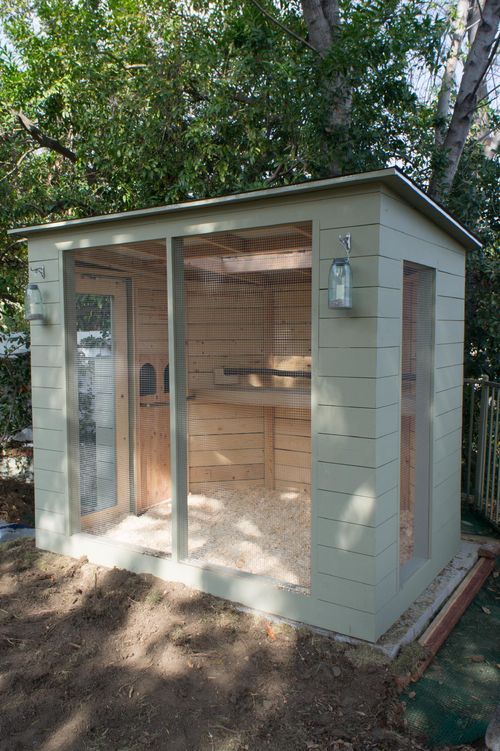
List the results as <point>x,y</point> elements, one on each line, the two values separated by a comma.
<point>358,422</point>
<point>50,521</point>
<point>357,392</point>
<point>396,243</point>
<point>50,459</point>
<point>450,285</point>
<point>356,594</point>
<point>51,419</point>
<point>368,271</point>
<point>372,302</point>
<point>363,510</point>
<point>448,377</point>
<point>358,362</point>
<point>47,377</point>
<point>47,356</point>
<point>49,500</point>
<point>357,538</point>
<point>357,567</point>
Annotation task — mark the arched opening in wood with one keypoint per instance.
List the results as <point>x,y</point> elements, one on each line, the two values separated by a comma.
<point>147,380</point>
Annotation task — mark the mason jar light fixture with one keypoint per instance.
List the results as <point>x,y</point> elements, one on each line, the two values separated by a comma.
<point>33,303</point>
<point>340,278</point>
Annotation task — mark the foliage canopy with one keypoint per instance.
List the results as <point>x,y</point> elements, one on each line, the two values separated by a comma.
<point>109,106</point>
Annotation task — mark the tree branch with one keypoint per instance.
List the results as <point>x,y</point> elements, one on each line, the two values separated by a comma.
<point>486,96</point>
<point>448,80</point>
<point>488,65</point>
<point>317,18</point>
<point>476,66</point>
<point>191,90</point>
<point>19,162</point>
<point>282,26</point>
<point>42,139</point>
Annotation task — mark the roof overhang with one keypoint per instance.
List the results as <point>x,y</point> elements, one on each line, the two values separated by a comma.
<point>392,178</point>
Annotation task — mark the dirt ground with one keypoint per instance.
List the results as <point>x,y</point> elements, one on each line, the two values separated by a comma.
<point>105,660</point>
<point>17,502</point>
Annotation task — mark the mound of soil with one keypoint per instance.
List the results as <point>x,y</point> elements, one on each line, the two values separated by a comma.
<point>17,502</point>
<point>100,659</point>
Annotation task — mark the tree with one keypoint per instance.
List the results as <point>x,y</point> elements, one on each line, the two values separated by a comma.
<point>483,48</point>
<point>111,105</point>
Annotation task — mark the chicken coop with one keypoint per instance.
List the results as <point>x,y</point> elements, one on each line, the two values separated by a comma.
<point>258,395</point>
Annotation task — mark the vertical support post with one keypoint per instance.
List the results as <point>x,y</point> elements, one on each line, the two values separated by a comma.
<point>470,435</point>
<point>269,447</point>
<point>495,504</point>
<point>72,422</point>
<point>268,323</point>
<point>424,395</point>
<point>481,443</point>
<point>489,455</point>
<point>178,417</point>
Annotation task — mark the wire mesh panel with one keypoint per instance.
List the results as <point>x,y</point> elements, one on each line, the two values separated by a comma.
<point>247,297</point>
<point>117,323</point>
<point>416,385</point>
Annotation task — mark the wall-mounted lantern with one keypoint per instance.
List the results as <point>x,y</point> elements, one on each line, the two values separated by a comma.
<point>33,303</point>
<point>340,278</point>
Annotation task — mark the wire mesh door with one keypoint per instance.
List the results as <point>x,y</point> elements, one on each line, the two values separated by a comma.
<point>102,357</point>
<point>416,403</point>
<point>247,303</point>
<point>116,302</point>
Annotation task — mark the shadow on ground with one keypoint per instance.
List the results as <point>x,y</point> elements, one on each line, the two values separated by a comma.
<point>99,659</point>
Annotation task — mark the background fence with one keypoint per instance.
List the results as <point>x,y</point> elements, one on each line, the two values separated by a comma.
<point>481,447</point>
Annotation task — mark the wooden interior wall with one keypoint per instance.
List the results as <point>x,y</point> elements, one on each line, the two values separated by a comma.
<point>152,411</point>
<point>226,441</point>
<point>240,446</point>
<point>224,329</point>
<point>292,351</point>
<point>292,449</point>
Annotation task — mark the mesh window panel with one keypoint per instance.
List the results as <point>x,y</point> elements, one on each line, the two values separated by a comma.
<point>247,299</point>
<point>416,402</point>
<point>116,304</point>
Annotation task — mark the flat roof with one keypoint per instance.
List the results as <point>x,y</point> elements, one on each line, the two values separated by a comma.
<point>392,177</point>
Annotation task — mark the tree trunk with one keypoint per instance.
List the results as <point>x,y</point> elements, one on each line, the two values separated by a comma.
<point>476,66</point>
<point>322,18</point>
<point>458,27</point>
<point>487,137</point>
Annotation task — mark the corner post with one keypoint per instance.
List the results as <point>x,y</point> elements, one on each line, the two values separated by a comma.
<point>178,432</point>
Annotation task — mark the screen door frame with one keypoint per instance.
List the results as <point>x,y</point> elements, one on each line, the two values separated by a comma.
<point>116,288</point>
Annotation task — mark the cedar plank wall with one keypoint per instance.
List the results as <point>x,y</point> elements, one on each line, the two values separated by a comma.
<point>226,442</point>
<point>291,350</point>
<point>152,464</point>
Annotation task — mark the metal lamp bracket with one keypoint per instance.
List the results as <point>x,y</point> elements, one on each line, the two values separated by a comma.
<point>345,241</point>
<point>38,270</point>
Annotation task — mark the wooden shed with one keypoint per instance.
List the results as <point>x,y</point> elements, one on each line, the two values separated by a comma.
<point>203,410</point>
